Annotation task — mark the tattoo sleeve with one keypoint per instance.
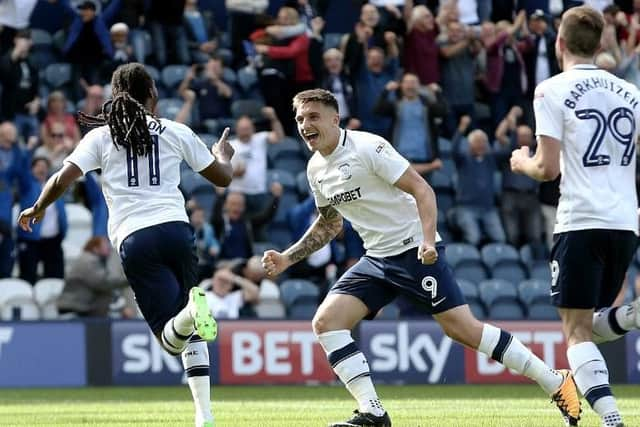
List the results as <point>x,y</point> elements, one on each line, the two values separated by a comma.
<point>322,231</point>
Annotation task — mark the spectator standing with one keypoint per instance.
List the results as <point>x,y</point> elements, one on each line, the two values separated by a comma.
<point>12,160</point>
<point>44,243</point>
<point>201,32</point>
<point>207,247</point>
<point>229,293</point>
<point>212,93</point>
<point>132,13</point>
<point>476,214</point>
<point>371,80</point>
<point>521,214</point>
<point>14,16</point>
<point>122,50</point>
<point>56,146</point>
<point>337,82</point>
<point>420,47</point>
<point>243,18</point>
<point>250,159</point>
<point>92,280</point>
<point>414,129</point>
<point>19,78</point>
<point>165,19</point>
<point>457,52</point>
<point>541,62</point>
<point>88,45</point>
<point>57,113</point>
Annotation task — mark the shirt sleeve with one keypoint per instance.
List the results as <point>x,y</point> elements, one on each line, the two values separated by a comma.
<point>548,114</point>
<point>195,152</point>
<point>87,155</point>
<point>384,161</point>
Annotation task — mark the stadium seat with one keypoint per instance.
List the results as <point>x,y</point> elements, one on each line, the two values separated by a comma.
<point>287,144</point>
<point>42,52</point>
<point>510,271</point>
<point>205,196</point>
<point>284,177</point>
<point>169,107</point>
<point>225,54</point>
<point>302,311</point>
<point>503,261</point>
<point>190,181</point>
<point>533,291</point>
<point>279,234</point>
<point>172,76</point>
<point>331,40</point>
<point>469,290</point>
<point>541,271</point>
<point>477,309</point>
<point>247,107</point>
<point>442,184</point>
<point>388,312</point>
<point>57,75</point>
<point>247,78</point>
<point>471,271</point>
<point>79,231</point>
<point>292,161</point>
<point>16,300</point>
<point>457,253</point>
<point>270,309</point>
<point>46,293</point>
<point>154,73</point>
<point>445,147</point>
<point>229,76</point>
<point>302,184</point>
<point>530,257</point>
<point>449,168</point>
<point>269,290</point>
<point>41,37</point>
<point>543,311</point>
<point>298,290</point>
<point>496,290</point>
<point>506,311</point>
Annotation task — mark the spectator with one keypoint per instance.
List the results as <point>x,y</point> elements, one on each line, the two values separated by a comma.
<point>294,50</point>
<point>92,103</point>
<point>168,34</point>
<point>207,246</point>
<point>92,279</point>
<point>336,81</point>
<point>520,207</point>
<point>212,93</point>
<point>506,79</point>
<point>56,146</point>
<point>540,61</point>
<point>132,13</point>
<point>14,16</point>
<point>57,113</point>
<point>250,159</point>
<point>122,50</point>
<point>11,169</point>
<point>19,79</point>
<point>475,215</point>
<point>234,229</point>
<point>243,19</point>
<point>457,52</point>
<point>370,82</point>
<point>229,293</point>
<point>201,32</point>
<point>420,47</point>
<point>88,46</point>
<point>415,131</point>
<point>44,243</point>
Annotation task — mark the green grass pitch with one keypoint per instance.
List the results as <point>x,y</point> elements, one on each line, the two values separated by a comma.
<point>289,406</point>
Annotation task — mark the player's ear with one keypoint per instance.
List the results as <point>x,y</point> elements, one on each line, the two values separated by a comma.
<point>336,119</point>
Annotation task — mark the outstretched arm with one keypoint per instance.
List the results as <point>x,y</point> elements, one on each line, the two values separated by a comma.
<point>53,189</point>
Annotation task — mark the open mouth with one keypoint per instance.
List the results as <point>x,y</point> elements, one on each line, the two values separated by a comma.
<point>311,136</point>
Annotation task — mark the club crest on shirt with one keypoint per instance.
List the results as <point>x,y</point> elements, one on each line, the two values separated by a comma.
<point>345,171</point>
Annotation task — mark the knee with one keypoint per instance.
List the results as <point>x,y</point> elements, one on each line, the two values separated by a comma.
<point>320,324</point>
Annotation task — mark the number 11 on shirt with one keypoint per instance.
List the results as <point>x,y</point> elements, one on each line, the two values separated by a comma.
<point>154,165</point>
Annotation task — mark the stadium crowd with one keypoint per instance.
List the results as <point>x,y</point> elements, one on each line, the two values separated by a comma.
<point>449,84</point>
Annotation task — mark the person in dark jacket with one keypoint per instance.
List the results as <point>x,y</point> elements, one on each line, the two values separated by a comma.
<point>44,243</point>
<point>336,81</point>
<point>168,32</point>
<point>414,127</point>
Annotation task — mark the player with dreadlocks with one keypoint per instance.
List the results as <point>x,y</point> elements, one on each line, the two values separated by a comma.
<point>140,155</point>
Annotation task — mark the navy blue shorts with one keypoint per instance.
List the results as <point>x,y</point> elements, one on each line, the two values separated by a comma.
<point>588,267</point>
<point>378,281</point>
<point>161,265</point>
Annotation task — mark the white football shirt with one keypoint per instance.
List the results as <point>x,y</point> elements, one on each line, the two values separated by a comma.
<point>595,117</point>
<point>358,179</point>
<point>142,191</point>
<point>253,155</point>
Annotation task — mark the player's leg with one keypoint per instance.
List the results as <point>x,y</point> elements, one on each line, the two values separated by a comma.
<point>435,287</point>
<point>589,270</point>
<point>357,295</point>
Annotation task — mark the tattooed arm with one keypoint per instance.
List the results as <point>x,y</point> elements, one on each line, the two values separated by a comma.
<point>322,231</point>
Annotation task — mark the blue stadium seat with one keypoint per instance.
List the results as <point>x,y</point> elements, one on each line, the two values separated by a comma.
<point>288,201</point>
<point>449,168</point>
<point>302,184</point>
<point>226,55</point>
<point>445,147</point>
<point>530,257</point>
<point>286,144</point>
<point>496,290</point>
<point>331,40</point>
<point>284,177</point>
<point>279,234</point>
<point>247,107</point>
<point>57,75</point>
<point>506,311</point>
<point>247,78</point>
<point>543,311</point>
<point>292,161</point>
<point>442,184</point>
<point>470,271</point>
<point>205,196</point>
<point>540,271</point>
<point>478,310</point>
<point>229,76</point>
<point>459,252</point>
<point>41,37</point>
<point>503,261</point>
<point>510,271</point>
<point>191,180</point>
<point>469,290</point>
<point>298,290</point>
<point>169,107</point>
<point>172,76</point>
<point>302,311</point>
<point>154,73</point>
<point>208,139</point>
<point>534,291</point>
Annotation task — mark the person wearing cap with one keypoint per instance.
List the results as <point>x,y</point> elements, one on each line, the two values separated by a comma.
<point>88,44</point>
<point>19,78</point>
<point>540,61</point>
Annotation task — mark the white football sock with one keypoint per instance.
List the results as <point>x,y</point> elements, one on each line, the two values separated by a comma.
<point>173,340</point>
<point>184,321</point>
<point>592,378</point>
<point>503,347</point>
<point>352,368</point>
<point>611,323</point>
<point>195,360</point>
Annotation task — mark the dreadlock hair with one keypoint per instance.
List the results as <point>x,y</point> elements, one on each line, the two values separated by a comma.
<point>125,113</point>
